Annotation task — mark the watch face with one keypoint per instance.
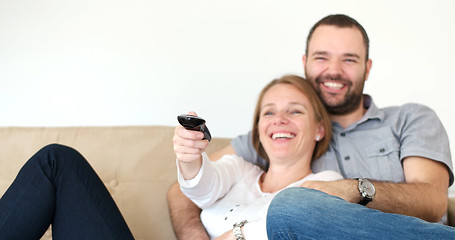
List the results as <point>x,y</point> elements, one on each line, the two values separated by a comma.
<point>368,189</point>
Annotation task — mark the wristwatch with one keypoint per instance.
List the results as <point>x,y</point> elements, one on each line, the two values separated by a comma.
<point>367,191</point>
<point>238,231</point>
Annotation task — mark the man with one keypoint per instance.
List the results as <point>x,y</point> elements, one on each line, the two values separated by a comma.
<point>406,163</point>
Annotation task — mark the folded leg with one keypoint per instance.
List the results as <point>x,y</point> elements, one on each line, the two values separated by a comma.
<point>301,213</point>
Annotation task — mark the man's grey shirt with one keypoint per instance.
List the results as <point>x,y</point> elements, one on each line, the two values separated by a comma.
<point>375,146</point>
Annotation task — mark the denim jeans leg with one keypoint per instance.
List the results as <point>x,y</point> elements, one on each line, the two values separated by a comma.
<point>301,213</point>
<point>58,186</point>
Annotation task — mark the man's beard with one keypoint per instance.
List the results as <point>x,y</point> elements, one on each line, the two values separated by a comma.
<point>351,100</point>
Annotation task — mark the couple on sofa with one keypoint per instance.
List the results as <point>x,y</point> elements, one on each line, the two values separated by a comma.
<point>399,169</point>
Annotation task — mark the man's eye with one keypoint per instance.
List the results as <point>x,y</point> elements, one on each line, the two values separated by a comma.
<point>350,60</point>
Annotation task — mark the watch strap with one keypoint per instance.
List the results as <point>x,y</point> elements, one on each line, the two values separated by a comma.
<point>364,201</point>
<point>237,229</point>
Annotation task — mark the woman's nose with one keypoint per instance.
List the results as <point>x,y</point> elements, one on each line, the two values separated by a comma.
<point>281,118</point>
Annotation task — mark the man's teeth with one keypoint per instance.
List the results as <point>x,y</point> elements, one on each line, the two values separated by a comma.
<point>333,85</point>
<point>282,135</point>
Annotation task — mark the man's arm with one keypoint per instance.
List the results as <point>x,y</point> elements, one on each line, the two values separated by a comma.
<point>224,151</point>
<point>423,195</point>
<point>185,215</point>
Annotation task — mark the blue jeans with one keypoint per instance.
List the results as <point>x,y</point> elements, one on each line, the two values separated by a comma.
<point>58,186</point>
<point>301,213</point>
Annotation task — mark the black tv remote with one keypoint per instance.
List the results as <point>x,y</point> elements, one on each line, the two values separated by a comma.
<point>194,123</point>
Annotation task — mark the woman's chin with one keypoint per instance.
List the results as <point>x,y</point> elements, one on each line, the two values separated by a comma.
<point>279,155</point>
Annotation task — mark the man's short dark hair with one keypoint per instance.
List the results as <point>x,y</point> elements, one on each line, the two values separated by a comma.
<point>341,21</point>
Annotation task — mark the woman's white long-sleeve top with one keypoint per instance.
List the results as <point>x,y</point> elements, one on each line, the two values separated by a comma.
<point>228,192</point>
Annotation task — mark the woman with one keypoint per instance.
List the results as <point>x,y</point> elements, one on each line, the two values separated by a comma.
<point>290,128</point>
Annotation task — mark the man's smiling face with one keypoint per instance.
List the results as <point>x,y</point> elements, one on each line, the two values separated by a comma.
<point>337,67</point>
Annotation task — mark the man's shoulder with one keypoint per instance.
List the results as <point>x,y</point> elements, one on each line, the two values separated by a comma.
<point>407,107</point>
<point>392,114</point>
<point>406,111</point>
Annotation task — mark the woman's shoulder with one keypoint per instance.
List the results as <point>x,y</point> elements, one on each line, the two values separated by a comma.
<point>327,175</point>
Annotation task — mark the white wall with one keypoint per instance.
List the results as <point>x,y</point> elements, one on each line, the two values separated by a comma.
<point>141,62</point>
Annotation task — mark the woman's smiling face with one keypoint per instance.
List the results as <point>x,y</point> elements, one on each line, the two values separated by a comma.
<point>287,126</point>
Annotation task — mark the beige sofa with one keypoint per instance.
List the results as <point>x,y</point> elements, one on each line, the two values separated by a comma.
<point>137,164</point>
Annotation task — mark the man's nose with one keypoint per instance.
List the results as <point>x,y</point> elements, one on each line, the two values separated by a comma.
<point>334,67</point>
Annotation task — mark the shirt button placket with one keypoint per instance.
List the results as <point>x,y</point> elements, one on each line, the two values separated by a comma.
<point>346,157</point>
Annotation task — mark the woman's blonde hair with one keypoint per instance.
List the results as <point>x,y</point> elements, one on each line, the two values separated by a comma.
<point>320,114</point>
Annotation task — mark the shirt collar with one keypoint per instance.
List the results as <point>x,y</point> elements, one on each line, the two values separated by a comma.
<point>373,112</point>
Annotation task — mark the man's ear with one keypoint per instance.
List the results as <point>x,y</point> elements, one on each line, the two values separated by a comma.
<point>368,66</point>
<point>304,61</point>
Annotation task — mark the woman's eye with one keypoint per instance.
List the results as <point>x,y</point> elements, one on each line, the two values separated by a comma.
<point>296,112</point>
<point>266,113</point>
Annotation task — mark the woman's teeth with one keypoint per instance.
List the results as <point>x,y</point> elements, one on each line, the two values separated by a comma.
<point>282,135</point>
